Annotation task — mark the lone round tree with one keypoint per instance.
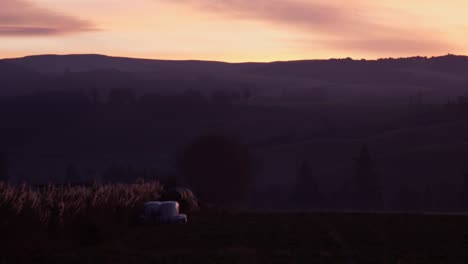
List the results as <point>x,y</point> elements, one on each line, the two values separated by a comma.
<point>218,168</point>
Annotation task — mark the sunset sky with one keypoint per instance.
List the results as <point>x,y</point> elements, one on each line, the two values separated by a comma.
<point>234,30</point>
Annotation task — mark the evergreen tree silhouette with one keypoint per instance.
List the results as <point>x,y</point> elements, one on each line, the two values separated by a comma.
<point>464,193</point>
<point>366,193</point>
<point>306,192</point>
<point>95,96</point>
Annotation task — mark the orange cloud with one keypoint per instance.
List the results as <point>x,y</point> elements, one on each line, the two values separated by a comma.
<point>405,45</point>
<point>24,18</point>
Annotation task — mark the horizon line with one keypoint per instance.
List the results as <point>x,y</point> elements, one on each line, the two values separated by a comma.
<point>227,62</point>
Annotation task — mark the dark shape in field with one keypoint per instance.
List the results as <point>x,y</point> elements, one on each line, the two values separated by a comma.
<point>166,212</point>
<point>366,189</point>
<point>187,200</point>
<point>218,168</point>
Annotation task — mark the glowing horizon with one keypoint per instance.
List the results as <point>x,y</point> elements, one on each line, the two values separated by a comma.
<point>233,30</point>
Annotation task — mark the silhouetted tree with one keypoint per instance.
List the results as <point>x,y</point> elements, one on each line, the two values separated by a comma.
<point>246,94</point>
<point>4,166</point>
<point>221,97</point>
<point>187,200</point>
<point>464,193</point>
<point>218,168</point>
<point>121,96</point>
<point>192,96</point>
<point>306,192</point>
<point>95,96</point>
<point>366,192</point>
<point>462,100</point>
<point>235,96</point>
<point>66,72</point>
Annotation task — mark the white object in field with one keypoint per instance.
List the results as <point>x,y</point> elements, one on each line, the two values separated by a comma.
<point>163,212</point>
<point>169,209</point>
<point>151,211</point>
<point>152,207</point>
<point>180,219</point>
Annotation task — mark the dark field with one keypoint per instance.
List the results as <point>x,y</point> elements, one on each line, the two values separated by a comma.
<point>256,238</point>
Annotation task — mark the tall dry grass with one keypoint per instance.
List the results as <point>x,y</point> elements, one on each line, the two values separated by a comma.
<point>60,206</point>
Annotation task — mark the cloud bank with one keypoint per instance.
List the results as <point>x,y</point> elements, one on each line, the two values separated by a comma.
<point>344,25</point>
<point>24,18</point>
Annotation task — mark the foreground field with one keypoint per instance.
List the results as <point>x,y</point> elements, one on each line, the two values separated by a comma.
<point>252,238</point>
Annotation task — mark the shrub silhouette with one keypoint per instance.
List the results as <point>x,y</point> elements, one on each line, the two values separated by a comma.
<point>218,168</point>
<point>185,197</point>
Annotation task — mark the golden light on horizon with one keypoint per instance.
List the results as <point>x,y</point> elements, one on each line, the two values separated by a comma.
<point>233,30</point>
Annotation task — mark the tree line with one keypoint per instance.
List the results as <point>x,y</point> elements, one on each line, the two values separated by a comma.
<point>220,169</point>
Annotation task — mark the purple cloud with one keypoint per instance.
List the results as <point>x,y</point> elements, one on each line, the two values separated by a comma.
<point>338,25</point>
<point>24,18</point>
<point>317,16</point>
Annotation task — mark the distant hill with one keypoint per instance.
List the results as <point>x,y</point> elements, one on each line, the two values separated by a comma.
<point>343,80</point>
<point>91,62</point>
<point>333,68</point>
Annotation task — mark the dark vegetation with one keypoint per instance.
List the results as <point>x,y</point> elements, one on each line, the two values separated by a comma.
<point>85,118</point>
<point>64,206</point>
<point>187,200</point>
